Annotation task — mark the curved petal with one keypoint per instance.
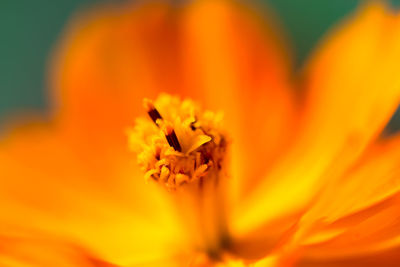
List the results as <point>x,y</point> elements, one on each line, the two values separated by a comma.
<point>108,60</point>
<point>368,234</point>
<point>373,178</point>
<point>262,242</point>
<point>113,56</point>
<point>356,205</point>
<point>236,62</point>
<point>238,65</point>
<point>351,90</point>
<point>371,231</point>
<point>45,179</point>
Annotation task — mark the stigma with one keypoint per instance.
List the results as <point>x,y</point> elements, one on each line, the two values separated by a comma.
<point>177,143</point>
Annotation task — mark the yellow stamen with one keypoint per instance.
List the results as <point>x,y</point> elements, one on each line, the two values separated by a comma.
<point>180,144</point>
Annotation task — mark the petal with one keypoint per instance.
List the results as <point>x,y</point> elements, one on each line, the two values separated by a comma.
<point>263,241</point>
<point>371,231</point>
<point>354,69</point>
<point>373,178</point>
<point>368,234</point>
<point>351,90</point>
<point>108,60</point>
<point>17,251</point>
<point>44,179</point>
<point>389,258</point>
<point>236,62</point>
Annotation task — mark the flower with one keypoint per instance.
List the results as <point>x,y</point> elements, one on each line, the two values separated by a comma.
<point>295,173</point>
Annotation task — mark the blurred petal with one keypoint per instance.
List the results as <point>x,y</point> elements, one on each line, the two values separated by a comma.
<point>389,258</point>
<point>373,230</point>
<point>78,177</point>
<point>263,241</point>
<point>108,60</point>
<point>375,177</point>
<point>235,62</point>
<point>352,89</point>
<point>362,235</point>
<point>45,179</point>
<point>18,251</point>
<point>239,66</point>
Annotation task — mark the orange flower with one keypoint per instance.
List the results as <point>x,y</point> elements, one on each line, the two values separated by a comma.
<point>294,173</point>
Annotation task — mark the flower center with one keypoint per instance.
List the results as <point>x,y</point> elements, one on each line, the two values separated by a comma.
<point>183,148</point>
<point>178,144</point>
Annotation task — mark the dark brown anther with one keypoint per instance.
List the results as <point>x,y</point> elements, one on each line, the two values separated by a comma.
<point>152,111</point>
<point>154,115</point>
<point>172,139</point>
<point>192,126</point>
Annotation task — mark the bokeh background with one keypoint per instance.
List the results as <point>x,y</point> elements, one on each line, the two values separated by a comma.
<point>30,28</point>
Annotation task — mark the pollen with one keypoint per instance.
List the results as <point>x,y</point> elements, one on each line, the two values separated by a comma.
<point>177,143</point>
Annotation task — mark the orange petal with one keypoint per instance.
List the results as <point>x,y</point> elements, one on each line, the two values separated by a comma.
<point>374,230</point>
<point>372,179</point>
<point>386,258</point>
<point>108,60</point>
<point>351,90</point>
<point>236,62</point>
<point>368,234</point>
<point>216,52</point>
<point>264,241</point>
<point>46,185</point>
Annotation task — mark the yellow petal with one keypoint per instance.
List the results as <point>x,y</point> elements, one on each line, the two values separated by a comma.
<point>351,88</point>
<point>264,240</point>
<point>46,185</point>
<point>17,251</point>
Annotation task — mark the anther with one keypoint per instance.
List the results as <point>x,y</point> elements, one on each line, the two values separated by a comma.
<point>152,111</point>
<point>171,137</point>
<point>192,126</point>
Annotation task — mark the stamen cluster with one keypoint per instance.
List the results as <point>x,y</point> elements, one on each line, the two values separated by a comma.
<point>178,143</point>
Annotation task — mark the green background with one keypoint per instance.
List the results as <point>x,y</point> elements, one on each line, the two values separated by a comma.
<point>29,29</point>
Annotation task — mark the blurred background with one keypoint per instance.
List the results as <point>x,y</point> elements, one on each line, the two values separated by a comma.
<point>29,30</point>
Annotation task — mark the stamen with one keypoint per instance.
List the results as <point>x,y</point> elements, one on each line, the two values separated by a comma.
<point>151,110</point>
<point>171,137</point>
<point>192,126</point>
<point>186,146</point>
